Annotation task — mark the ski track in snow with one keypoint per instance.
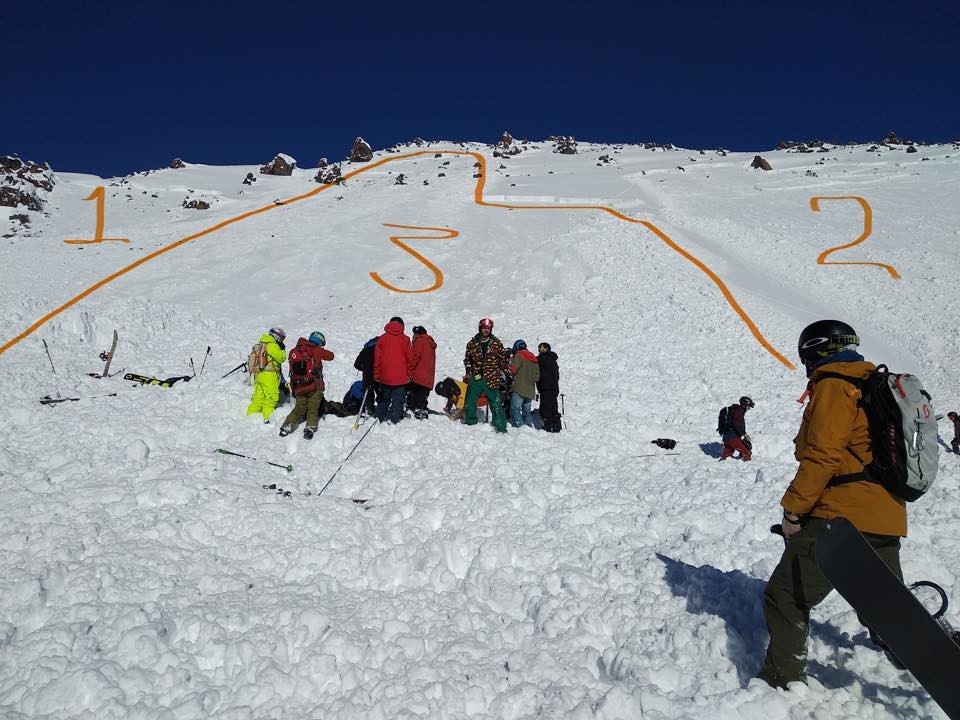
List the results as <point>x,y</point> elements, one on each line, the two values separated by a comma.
<point>531,575</point>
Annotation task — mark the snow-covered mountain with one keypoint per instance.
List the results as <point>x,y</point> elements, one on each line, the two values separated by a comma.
<point>585,574</point>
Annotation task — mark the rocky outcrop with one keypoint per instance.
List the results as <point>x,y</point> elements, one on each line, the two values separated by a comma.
<point>328,174</point>
<point>506,146</point>
<point>24,183</point>
<point>250,179</point>
<point>361,151</point>
<point>197,203</point>
<point>760,164</point>
<point>565,144</point>
<point>281,165</point>
<point>176,164</point>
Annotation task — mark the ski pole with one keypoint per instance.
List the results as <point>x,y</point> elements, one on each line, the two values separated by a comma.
<point>363,404</point>
<point>56,382</point>
<point>192,368</point>
<point>238,367</point>
<point>652,455</point>
<point>563,410</point>
<point>204,363</point>
<point>347,458</point>
<point>288,468</point>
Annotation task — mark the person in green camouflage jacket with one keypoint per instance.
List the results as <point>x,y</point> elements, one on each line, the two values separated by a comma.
<point>485,361</point>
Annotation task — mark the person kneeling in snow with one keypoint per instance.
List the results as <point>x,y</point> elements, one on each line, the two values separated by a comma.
<point>264,363</point>
<point>306,379</point>
<point>732,426</point>
<point>455,392</point>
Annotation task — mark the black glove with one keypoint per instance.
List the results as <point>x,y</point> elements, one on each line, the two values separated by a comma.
<point>665,443</point>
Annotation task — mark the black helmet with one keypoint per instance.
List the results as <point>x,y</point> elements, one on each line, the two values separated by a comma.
<point>746,402</point>
<point>822,339</point>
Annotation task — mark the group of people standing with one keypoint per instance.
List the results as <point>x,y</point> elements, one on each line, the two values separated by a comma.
<point>398,374</point>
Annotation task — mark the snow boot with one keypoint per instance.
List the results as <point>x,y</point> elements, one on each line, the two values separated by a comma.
<point>285,430</point>
<point>308,433</point>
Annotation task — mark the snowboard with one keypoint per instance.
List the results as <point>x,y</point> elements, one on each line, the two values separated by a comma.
<point>147,380</point>
<point>893,612</point>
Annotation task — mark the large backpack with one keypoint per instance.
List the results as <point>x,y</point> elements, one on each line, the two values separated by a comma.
<point>723,420</point>
<point>258,359</point>
<point>903,433</point>
<point>302,367</point>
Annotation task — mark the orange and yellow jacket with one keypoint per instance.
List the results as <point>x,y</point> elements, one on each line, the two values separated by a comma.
<point>833,435</point>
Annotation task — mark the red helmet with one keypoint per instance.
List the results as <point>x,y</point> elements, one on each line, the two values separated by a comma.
<point>486,323</point>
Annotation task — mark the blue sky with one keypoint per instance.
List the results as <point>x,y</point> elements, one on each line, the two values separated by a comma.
<point>110,88</point>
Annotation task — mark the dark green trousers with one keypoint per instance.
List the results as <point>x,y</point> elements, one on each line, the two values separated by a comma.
<point>796,586</point>
<point>306,406</point>
<point>475,388</point>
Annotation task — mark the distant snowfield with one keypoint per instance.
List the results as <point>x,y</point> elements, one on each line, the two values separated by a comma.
<point>581,575</point>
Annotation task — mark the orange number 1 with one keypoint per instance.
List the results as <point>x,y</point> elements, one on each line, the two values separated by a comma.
<point>98,195</point>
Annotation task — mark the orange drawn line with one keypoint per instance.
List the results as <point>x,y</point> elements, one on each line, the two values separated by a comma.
<point>396,240</point>
<point>477,198</point>
<point>867,229</point>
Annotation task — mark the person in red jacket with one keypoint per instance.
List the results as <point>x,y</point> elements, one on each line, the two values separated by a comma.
<point>392,359</point>
<point>306,381</point>
<point>423,372</point>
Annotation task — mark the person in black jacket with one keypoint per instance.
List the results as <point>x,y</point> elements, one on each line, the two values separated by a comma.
<point>364,363</point>
<point>955,443</point>
<point>549,387</point>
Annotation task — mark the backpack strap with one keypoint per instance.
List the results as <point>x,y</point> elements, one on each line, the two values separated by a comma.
<point>861,476</point>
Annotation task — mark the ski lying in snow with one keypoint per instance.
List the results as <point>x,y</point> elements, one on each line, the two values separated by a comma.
<point>107,356</point>
<point>892,611</point>
<point>147,380</point>
<point>47,400</point>
<point>289,493</point>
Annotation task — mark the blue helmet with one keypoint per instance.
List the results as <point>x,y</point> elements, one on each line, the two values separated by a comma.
<point>519,345</point>
<point>317,338</point>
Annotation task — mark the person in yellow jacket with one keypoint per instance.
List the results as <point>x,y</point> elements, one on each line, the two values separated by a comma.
<point>832,447</point>
<point>266,373</point>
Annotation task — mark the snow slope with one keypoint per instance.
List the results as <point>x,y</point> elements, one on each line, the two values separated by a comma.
<point>586,574</point>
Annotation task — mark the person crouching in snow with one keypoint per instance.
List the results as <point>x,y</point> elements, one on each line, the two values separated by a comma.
<point>734,433</point>
<point>264,367</point>
<point>306,380</point>
<point>526,372</point>
<point>422,372</point>
<point>454,392</point>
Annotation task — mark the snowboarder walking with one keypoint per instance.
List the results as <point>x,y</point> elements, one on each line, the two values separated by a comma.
<point>306,380</point>
<point>549,387</point>
<point>526,372</point>
<point>733,427</point>
<point>832,447</point>
<point>485,361</point>
<point>423,371</point>
<point>264,363</point>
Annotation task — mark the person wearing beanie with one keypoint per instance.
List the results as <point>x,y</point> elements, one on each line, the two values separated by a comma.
<point>549,387</point>
<point>526,372</point>
<point>422,372</point>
